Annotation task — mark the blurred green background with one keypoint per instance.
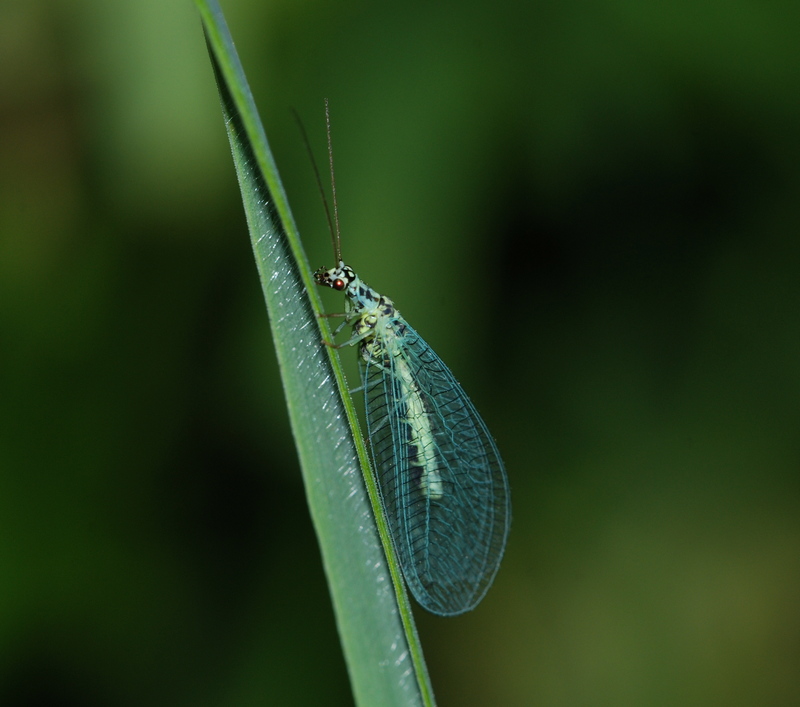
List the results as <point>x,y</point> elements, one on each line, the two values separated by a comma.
<point>589,209</point>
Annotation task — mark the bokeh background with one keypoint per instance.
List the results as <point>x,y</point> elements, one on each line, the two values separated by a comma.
<point>590,209</point>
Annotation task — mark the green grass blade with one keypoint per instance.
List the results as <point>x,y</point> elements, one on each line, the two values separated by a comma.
<point>374,619</point>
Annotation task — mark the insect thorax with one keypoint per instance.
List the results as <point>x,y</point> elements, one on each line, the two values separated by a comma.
<point>379,327</point>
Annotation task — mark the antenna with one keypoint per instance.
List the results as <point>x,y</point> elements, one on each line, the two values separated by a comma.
<point>337,243</point>
<point>334,231</point>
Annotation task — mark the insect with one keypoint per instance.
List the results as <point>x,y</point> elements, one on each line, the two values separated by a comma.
<point>441,480</point>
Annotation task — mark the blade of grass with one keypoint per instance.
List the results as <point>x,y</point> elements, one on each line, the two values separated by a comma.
<point>376,627</point>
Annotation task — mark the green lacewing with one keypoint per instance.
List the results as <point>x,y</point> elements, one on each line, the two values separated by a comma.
<point>442,482</point>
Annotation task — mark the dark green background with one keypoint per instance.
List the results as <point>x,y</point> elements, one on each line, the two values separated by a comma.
<point>589,209</point>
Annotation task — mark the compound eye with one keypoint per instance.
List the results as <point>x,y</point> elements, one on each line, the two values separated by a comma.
<point>338,284</point>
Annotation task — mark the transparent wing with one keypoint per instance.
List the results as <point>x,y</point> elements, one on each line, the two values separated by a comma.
<point>442,481</point>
